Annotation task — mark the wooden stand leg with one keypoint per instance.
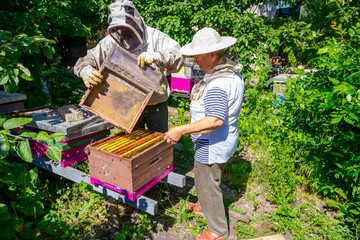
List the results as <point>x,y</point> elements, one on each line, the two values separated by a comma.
<point>234,218</point>
<point>233,232</point>
<point>113,214</point>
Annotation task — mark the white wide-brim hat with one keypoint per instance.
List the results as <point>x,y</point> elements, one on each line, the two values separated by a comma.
<point>207,40</point>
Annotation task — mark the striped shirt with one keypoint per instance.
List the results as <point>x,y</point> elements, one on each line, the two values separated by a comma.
<point>222,98</point>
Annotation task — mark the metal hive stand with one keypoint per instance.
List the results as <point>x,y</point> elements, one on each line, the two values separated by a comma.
<point>143,203</point>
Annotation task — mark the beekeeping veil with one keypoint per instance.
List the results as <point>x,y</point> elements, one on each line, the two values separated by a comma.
<point>126,26</point>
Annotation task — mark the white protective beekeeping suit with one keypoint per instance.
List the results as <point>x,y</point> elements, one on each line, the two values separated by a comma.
<point>128,30</point>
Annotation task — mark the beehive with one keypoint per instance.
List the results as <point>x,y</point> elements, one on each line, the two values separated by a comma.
<point>130,163</point>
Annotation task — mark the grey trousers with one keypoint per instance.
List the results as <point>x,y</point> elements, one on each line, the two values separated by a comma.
<point>209,193</point>
<point>155,117</point>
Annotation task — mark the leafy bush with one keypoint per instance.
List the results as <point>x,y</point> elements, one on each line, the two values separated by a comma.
<point>64,87</point>
<point>29,33</point>
<point>21,201</point>
<point>323,119</point>
<point>16,51</point>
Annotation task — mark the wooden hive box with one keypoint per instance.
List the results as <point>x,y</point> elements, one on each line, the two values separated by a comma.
<point>130,163</point>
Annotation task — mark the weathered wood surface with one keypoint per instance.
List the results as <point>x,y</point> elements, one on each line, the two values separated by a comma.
<point>272,237</point>
<point>55,123</point>
<point>71,113</point>
<point>124,91</point>
<point>234,218</point>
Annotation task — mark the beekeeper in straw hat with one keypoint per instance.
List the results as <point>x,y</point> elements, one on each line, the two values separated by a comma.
<point>128,30</point>
<point>215,107</point>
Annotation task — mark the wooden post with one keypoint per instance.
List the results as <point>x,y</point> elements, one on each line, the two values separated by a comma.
<point>112,214</point>
<point>234,218</point>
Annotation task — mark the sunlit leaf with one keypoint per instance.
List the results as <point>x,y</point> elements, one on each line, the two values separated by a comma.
<point>23,150</point>
<point>323,50</point>
<point>57,136</point>
<point>340,192</point>
<point>4,80</point>
<point>43,136</point>
<point>33,173</point>
<point>334,81</point>
<point>25,72</point>
<point>29,134</point>
<point>16,122</point>
<point>353,211</point>
<point>4,146</point>
<point>336,120</point>
<point>47,52</point>
<point>348,121</point>
<point>353,116</point>
<point>2,121</point>
<point>355,76</point>
<point>348,98</point>
<point>16,71</point>
<point>5,131</point>
<point>54,153</point>
<point>50,143</point>
<point>3,208</point>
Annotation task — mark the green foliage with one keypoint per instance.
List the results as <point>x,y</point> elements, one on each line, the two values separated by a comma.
<point>256,35</point>
<point>63,88</point>
<point>321,13</point>
<point>56,18</point>
<point>237,173</point>
<point>179,102</point>
<point>184,154</point>
<point>20,143</point>
<point>74,211</point>
<point>313,143</point>
<point>245,231</point>
<point>308,223</point>
<point>21,200</point>
<point>29,31</point>
<point>137,231</point>
<point>323,119</point>
<point>183,215</point>
<point>12,49</point>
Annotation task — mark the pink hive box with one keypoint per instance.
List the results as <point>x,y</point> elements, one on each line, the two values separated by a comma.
<point>72,151</point>
<point>181,84</point>
<point>184,80</point>
<point>133,195</point>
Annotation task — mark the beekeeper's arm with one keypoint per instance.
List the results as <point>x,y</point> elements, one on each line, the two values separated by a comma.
<point>87,67</point>
<point>166,54</point>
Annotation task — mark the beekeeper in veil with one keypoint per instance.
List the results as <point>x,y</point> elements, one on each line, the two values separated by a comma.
<point>153,47</point>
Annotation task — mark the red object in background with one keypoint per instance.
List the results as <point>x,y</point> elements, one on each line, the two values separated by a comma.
<point>279,61</point>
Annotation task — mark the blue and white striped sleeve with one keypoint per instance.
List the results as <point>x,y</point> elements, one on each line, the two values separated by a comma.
<point>216,103</point>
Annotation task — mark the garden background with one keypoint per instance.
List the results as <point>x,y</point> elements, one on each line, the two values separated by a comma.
<point>300,157</point>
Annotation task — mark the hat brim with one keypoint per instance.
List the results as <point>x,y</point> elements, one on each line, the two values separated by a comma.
<point>224,43</point>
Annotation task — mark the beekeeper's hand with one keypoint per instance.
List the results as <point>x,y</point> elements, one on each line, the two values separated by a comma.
<point>148,58</point>
<point>90,76</point>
